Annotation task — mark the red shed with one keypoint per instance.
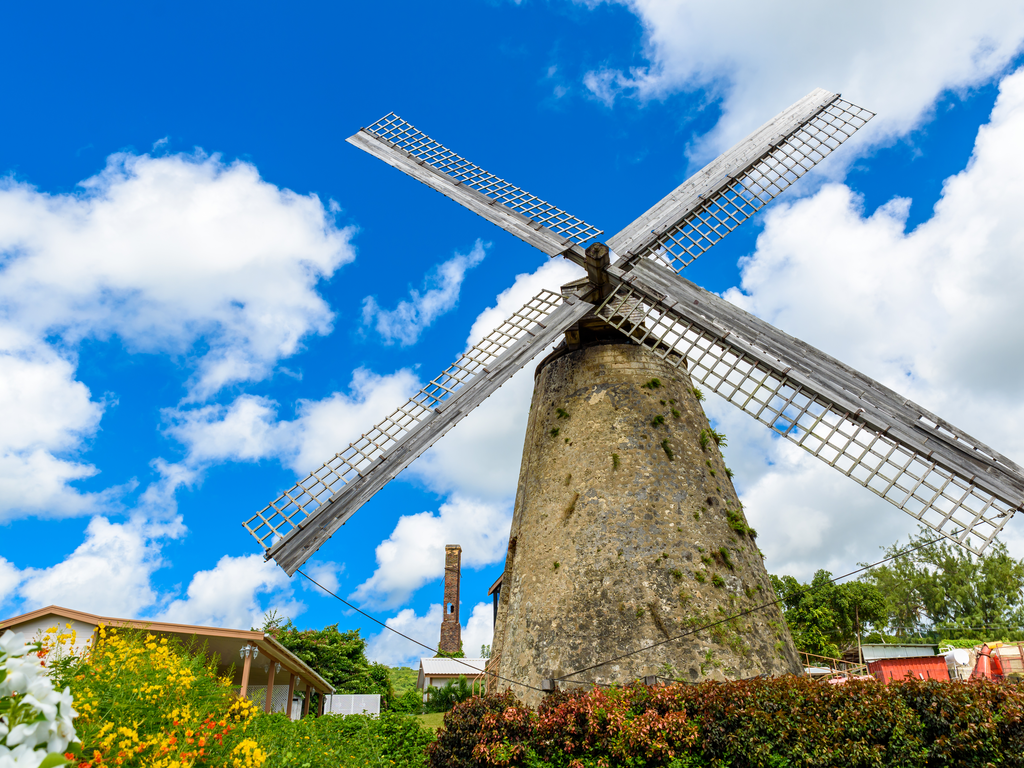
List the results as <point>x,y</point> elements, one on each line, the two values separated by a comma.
<point>918,667</point>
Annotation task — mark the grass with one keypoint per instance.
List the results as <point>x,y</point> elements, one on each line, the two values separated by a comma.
<point>431,721</point>
<point>667,448</point>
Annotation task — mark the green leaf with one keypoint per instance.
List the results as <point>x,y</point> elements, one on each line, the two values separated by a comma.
<point>54,759</point>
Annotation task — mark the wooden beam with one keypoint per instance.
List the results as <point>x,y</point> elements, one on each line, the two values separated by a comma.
<point>291,695</point>
<point>243,691</point>
<point>268,704</point>
<point>310,534</point>
<point>717,174</point>
<point>721,344</point>
<point>525,229</point>
<point>305,701</point>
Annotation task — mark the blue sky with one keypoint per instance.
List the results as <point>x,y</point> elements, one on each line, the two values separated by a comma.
<point>205,292</point>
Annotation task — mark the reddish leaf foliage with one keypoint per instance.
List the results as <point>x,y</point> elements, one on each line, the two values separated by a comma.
<point>758,723</point>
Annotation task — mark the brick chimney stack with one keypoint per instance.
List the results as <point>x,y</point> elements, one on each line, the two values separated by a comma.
<point>451,630</point>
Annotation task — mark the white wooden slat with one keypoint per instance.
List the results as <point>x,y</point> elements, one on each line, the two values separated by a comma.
<point>949,481</point>
<point>299,521</point>
<point>550,229</point>
<point>735,186</point>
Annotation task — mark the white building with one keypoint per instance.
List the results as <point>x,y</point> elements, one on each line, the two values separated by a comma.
<point>434,673</point>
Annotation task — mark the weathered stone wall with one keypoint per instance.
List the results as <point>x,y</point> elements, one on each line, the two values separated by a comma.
<point>626,532</point>
<point>451,629</point>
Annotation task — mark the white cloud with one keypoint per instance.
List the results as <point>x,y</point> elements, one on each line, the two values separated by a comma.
<point>550,275</point>
<point>410,318</point>
<point>893,58</point>
<point>228,595</point>
<point>248,428</point>
<point>414,552</point>
<point>479,630</point>
<point>180,254</point>
<point>10,578</point>
<point>480,457</point>
<point>388,648</point>
<point>108,573</point>
<point>934,313</point>
<point>163,251</point>
<point>394,650</point>
<point>45,413</point>
<point>323,573</point>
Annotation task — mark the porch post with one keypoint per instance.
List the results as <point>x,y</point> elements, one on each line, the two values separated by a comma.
<point>323,703</point>
<point>291,692</point>
<point>305,702</point>
<point>243,692</point>
<point>268,705</point>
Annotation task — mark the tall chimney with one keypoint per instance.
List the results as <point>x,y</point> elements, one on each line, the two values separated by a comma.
<point>451,630</point>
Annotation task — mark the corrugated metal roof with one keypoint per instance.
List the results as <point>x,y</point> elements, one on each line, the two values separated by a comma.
<point>886,651</point>
<point>432,667</point>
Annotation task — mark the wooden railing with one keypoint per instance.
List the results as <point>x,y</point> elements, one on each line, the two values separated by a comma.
<point>836,666</point>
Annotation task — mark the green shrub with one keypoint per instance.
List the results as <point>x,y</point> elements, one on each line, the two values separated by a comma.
<point>341,741</point>
<point>410,702</point>
<point>451,693</point>
<point>789,721</point>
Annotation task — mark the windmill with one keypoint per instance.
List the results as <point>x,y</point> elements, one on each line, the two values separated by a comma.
<point>619,535</point>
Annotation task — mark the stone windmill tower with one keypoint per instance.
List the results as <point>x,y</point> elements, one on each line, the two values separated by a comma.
<point>627,531</point>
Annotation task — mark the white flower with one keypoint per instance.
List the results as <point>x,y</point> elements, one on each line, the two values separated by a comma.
<point>41,717</point>
<point>13,644</point>
<point>20,757</point>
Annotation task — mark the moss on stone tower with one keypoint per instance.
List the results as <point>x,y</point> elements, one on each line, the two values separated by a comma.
<point>628,531</point>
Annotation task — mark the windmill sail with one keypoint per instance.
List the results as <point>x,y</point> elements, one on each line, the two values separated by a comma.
<point>300,520</point>
<point>714,201</point>
<point>535,221</point>
<point>949,481</point>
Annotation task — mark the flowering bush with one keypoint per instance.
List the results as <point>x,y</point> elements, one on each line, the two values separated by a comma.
<point>35,720</point>
<point>149,701</point>
<point>787,721</point>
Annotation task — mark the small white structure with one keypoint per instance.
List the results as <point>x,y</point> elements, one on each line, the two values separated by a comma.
<point>353,704</point>
<point>434,673</point>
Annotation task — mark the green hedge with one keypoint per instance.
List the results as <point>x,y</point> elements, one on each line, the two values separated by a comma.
<point>335,741</point>
<point>770,723</point>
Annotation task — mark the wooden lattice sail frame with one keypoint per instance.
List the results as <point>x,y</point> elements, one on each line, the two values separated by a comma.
<point>948,480</point>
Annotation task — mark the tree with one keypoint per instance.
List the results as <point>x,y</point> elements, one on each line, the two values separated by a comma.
<point>338,657</point>
<point>944,589</point>
<point>451,693</point>
<point>822,615</point>
<point>459,654</point>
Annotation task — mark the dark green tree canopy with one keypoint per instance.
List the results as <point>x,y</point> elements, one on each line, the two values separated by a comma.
<point>943,589</point>
<point>936,591</point>
<point>823,616</point>
<point>339,657</point>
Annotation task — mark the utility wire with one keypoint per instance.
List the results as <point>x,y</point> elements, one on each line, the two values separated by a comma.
<point>410,639</point>
<point>747,612</point>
